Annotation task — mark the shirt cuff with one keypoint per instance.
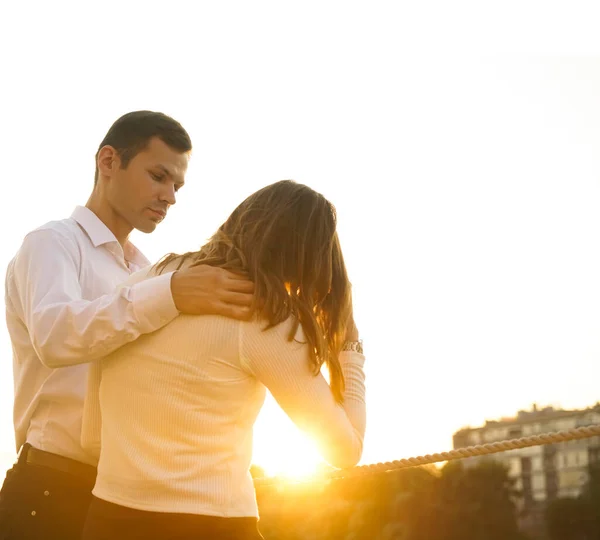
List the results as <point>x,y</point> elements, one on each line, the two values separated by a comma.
<point>352,357</point>
<point>153,303</point>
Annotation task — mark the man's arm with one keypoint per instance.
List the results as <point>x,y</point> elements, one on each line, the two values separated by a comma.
<point>204,290</point>
<point>66,329</point>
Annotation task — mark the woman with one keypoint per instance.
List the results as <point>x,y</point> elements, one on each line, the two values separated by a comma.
<point>174,410</point>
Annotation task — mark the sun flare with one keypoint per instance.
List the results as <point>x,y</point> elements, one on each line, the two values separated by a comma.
<point>289,468</point>
<point>280,449</point>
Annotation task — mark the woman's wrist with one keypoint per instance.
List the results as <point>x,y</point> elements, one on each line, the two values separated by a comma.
<point>351,331</point>
<point>353,346</point>
<point>352,336</point>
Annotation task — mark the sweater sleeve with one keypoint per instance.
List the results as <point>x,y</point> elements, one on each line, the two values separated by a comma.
<point>284,368</point>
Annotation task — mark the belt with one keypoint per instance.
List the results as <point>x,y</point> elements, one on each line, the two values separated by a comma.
<point>41,458</point>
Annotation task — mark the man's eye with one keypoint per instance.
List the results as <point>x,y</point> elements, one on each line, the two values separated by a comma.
<point>157,177</point>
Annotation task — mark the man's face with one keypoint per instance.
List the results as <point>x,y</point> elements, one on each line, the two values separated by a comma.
<point>142,193</point>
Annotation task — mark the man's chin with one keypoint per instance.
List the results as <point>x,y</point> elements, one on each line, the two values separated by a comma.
<point>147,227</point>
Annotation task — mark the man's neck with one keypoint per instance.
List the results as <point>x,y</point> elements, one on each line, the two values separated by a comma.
<point>110,218</point>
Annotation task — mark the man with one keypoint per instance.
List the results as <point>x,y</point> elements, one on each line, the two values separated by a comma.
<point>64,311</point>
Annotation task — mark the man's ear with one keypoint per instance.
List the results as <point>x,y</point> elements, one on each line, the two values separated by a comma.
<point>108,161</point>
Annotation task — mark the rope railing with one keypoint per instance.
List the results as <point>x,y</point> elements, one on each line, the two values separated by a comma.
<point>459,453</point>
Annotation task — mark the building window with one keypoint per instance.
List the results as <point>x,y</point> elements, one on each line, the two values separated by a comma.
<point>515,432</point>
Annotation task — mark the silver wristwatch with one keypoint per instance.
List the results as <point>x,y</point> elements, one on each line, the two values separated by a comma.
<point>356,346</point>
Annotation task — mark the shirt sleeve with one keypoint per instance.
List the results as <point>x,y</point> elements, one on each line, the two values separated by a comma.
<point>66,329</point>
<point>284,368</point>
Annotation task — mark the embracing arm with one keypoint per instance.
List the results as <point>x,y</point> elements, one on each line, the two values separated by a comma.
<point>283,367</point>
<point>66,329</point>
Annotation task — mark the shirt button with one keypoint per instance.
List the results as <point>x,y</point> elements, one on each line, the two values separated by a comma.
<point>33,513</point>
<point>46,493</point>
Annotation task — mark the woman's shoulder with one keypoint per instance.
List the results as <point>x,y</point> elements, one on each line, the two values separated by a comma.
<point>155,270</point>
<point>259,328</point>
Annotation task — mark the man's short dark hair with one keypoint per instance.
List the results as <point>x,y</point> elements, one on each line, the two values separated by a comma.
<point>131,134</point>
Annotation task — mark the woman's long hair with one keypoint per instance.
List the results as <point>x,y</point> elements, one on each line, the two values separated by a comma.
<point>284,236</point>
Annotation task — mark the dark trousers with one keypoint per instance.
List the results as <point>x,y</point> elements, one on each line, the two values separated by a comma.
<point>107,521</point>
<point>41,503</point>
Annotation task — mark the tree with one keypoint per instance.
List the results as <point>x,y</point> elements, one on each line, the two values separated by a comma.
<point>420,503</point>
<point>477,503</point>
<point>576,518</point>
<point>568,519</point>
<point>590,496</point>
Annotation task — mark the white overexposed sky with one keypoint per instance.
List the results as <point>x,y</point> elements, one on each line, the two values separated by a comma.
<point>465,173</point>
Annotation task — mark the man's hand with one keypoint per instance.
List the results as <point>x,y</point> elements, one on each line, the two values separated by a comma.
<point>206,290</point>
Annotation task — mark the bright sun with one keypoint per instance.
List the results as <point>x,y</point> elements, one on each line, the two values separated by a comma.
<point>291,468</point>
<point>280,448</point>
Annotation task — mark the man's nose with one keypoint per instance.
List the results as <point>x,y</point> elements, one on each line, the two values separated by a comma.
<point>168,194</point>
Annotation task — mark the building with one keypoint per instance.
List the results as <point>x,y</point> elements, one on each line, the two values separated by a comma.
<point>544,472</point>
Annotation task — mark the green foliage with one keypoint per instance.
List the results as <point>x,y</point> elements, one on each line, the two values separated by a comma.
<point>457,503</point>
<point>576,518</point>
<point>477,503</point>
<point>567,519</point>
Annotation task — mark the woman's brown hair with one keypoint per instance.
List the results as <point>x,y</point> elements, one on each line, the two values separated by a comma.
<point>284,236</point>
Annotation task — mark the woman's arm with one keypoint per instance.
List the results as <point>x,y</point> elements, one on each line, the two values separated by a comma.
<point>284,368</point>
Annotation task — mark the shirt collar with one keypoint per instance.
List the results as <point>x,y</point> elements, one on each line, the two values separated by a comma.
<point>100,234</point>
<point>135,256</point>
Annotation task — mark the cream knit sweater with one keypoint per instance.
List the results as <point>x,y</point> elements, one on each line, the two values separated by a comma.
<point>174,412</point>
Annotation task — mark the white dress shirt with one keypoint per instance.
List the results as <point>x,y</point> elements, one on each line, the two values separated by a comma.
<point>171,414</point>
<point>63,310</point>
